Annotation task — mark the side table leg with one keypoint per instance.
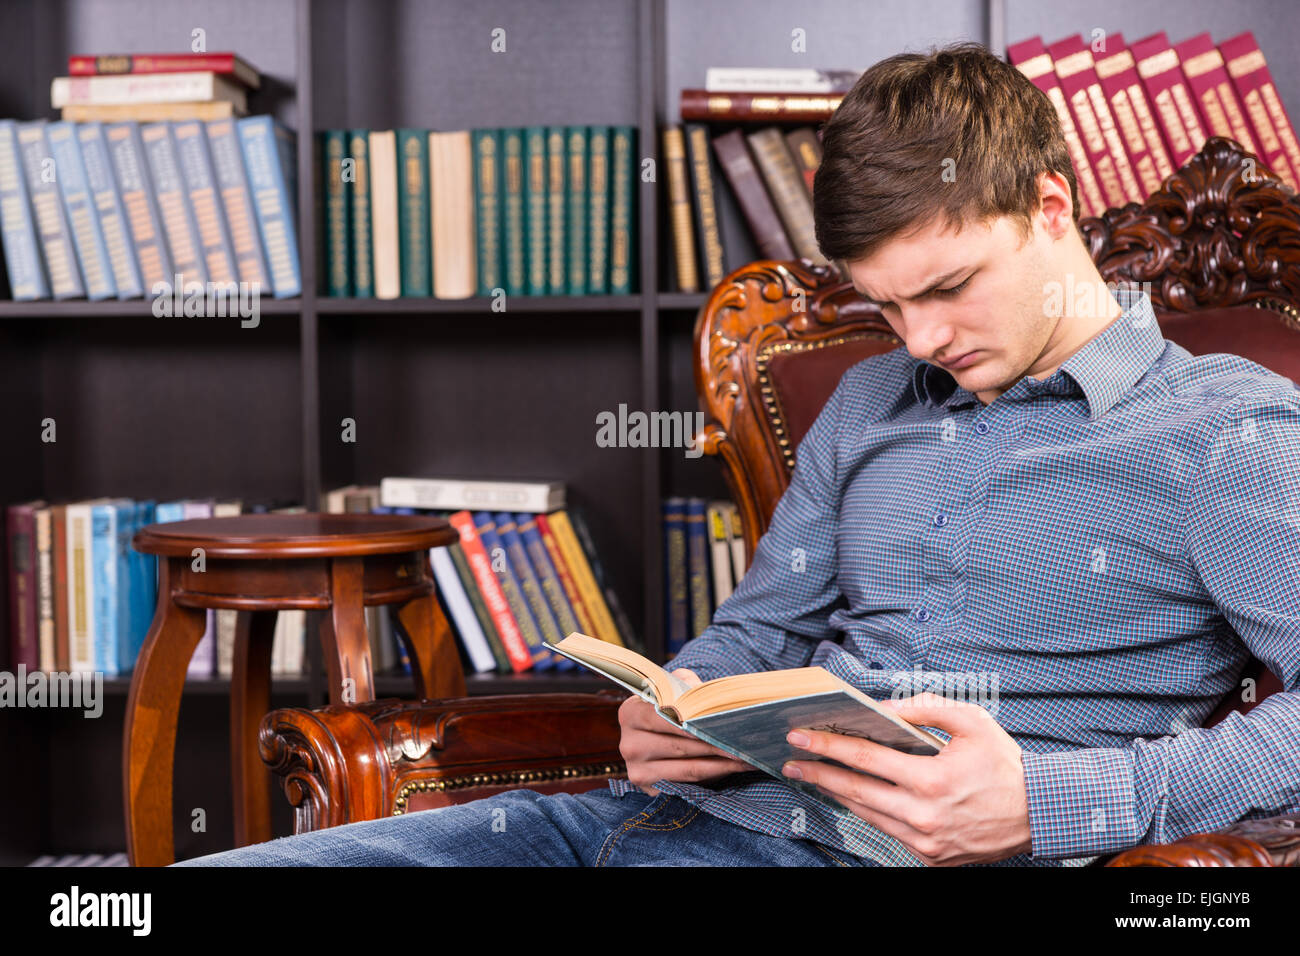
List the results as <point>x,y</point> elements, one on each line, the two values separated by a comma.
<point>432,648</point>
<point>149,739</point>
<point>250,700</point>
<point>343,635</point>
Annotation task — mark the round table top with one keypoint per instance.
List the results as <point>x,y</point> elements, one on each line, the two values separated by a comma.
<point>303,535</point>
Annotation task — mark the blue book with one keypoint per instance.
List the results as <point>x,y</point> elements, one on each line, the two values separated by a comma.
<point>697,565</point>
<point>127,584</point>
<point>144,586</point>
<point>83,219</point>
<point>55,236</point>
<point>209,211</point>
<point>112,215</point>
<point>173,204</point>
<point>547,576</point>
<point>27,279</point>
<point>241,217</point>
<point>273,182</point>
<point>143,220</point>
<point>508,534</point>
<point>107,569</point>
<point>500,561</point>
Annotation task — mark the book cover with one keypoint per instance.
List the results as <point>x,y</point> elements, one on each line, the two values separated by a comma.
<point>413,219</point>
<point>1208,80</point>
<point>677,594</point>
<point>719,552</point>
<point>81,589</point>
<point>481,612</point>
<point>144,578</point>
<point>385,225</point>
<point>59,556</point>
<point>598,186</point>
<point>575,222</point>
<point>459,611</point>
<point>109,609</point>
<point>451,185</point>
<point>746,107</point>
<point>338,250</point>
<point>24,613</point>
<point>173,204</point>
<point>738,563</point>
<point>558,525</point>
<point>513,222</point>
<point>708,237</point>
<point>237,201</point>
<point>548,577</point>
<point>143,218</point>
<point>1162,77</point>
<point>488,212</point>
<point>557,192</point>
<point>494,598</point>
<point>501,565</point>
<point>114,63</point>
<point>83,218</point>
<point>273,181</point>
<point>786,187</point>
<point>697,564</point>
<point>751,195</point>
<point>45,587</point>
<point>806,149</point>
<point>197,86</point>
<point>23,262</point>
<point>624,172</point>
<point>1117,71</point>
<point>685,265</point>
<point>452,494</point>
<point>1250,75</point>
<point>195,161</point>
<point>52,228</point>
<point>535,208</point>
<point>112,214</point>
<point>568,582</point>
<point>522,569</point>
<point>363,252</point>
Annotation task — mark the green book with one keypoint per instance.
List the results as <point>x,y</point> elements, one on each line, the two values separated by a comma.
<point>598,210</point>
<point>535,195</point>
<point>557,186</point>
<point>576,220</point>
<point>622,213</point>
<point>413,212</point>
<point>338,248</point>
<point>512,185</point>
<point>487,209</point>
<point>358,182</point>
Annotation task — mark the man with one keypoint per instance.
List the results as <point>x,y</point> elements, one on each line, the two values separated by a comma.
<point>1037,496</point>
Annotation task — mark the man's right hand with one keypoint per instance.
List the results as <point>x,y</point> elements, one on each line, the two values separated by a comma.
<point>656,750</point>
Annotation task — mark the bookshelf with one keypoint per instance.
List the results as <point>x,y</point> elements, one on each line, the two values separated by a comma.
<point>176,407</point>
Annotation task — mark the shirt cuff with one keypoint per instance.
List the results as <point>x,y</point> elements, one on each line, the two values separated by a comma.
<point>1081,802</point>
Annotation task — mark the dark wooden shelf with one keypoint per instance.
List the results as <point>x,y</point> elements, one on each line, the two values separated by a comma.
<point>682,300</point>
<point>122,308</point>
<point>481,304</point>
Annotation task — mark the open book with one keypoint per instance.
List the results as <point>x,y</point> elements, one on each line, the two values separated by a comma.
<point>749,715</point>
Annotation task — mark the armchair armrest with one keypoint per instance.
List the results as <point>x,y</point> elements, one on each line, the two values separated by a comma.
<point>1274,841</point>
<point>345,763</point>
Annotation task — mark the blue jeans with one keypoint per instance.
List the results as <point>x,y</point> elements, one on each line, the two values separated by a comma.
<point>526,828</point>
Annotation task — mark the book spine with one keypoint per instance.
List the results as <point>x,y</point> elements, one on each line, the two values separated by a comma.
<point>363,273</point>
<point>487,206</point>
<point>460,612</point>
<point>737,542</point>
<point>177,216</point>
<point>24,619</point>
<point>143,219</point>
<point>697,545</point>
<point>598,225</point>
<point>104,570</point>
<point>679,211</point>
<point>112,215</point>
<point>622,228</point>
<point>510,587</point>
<point>167,63</point>
<point>575,224</point>
<point>81,587</point>
<point>489,587</point>
<point>413,212</point>
<point>513,237</point>
<point>1127,119</point>
<point>481,612</point>
<point>451,495</point>
<point>1250,74</point>
<point>270,180</point>
<point>703,106</point>
<point>59,556</point>
<point>51,221</point>
<point>44,589</point>
<point>384,215</point>
<point>209,216</point>
<point>557,189</point>
<point>1119,78</point>
<point>79,206</point>
<point>548,578</point>
<point>707,235</point>
<point>677,586</point>
<point>786,187</point>
<point>728,79</point>
<point>126,586</point>
<point>1203,68</point>
<point>144,594</point>
<point>338,250</point>
<point>586,621</point>
<point>535,207</point>
<point>719,553</point>
<point>558,525</point>
<point>452,205</point>
<point>1157,65</point>
<point>806,149</point>
<point>1031,58</point>
<point>241,218</point>
<point>747,185</point>
<point>197,86</point>
<point>27,280</point>
<point>529,586</point>
<point>1078,79</point>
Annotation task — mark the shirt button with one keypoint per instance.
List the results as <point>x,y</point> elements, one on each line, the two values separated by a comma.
<point>940,520</point>
<point>982,427</point>
<point>923,615</point>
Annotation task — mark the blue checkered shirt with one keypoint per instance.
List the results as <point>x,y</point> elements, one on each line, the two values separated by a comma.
<point>1103,549</point>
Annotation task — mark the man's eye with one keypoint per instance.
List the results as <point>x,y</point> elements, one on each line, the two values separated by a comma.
<point>952,290</point>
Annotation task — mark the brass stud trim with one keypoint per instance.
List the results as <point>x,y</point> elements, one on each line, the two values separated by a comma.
<point>506,777</point>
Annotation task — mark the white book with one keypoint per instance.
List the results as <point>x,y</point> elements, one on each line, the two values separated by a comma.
<point>754,79</point>
<point>195,87</point>
<point>45,587</point>
<point>383,214</point>
<point>449,494</point>
<point>81,587</point>
<point>462,612</point>
<point>737,542</point>
<point>717,527</point>
<point>451,215</point>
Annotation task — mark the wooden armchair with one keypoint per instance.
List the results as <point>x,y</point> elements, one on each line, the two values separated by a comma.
<point>1222,255</point>
<point>764,369</point>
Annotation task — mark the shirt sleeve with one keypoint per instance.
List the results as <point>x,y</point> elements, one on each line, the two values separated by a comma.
<point>779,612</point>
<point>1242,536</point>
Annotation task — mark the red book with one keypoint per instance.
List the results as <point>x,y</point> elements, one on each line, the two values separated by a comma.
<point>1117,71</point>
<point>702,105</point>
<point>1157,65</point>
<point>1203,67</point>
<point>1031,58</point>
<point>493,597</point>
<point>24,647</point>
<point>1273,130</point>
<point>1101,138</point>
<point>227,63</point>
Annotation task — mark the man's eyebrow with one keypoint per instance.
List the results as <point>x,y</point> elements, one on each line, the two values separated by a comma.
<point>934,284</point>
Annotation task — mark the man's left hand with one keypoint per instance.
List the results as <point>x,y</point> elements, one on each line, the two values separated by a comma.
<point>967,804</point>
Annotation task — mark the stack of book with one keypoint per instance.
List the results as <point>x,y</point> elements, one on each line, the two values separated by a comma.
<point>704,560</point>
<point>524,571</point>
<point>1132,114</point>
<point>130,190</point>
<point>490,212</point>
<point>81,598</point>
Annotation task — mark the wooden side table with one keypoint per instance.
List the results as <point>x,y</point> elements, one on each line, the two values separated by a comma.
<point>260,564</point>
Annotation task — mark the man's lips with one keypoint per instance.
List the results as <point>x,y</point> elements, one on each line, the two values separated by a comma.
<point>962,361</point>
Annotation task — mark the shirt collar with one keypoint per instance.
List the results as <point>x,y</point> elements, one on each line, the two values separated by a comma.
<point>1105,368</point>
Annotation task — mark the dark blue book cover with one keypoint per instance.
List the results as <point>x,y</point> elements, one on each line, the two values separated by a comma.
<point>499,558</point>
<point>549,628</point>
<point>697,565</point>
<point>677,611</point>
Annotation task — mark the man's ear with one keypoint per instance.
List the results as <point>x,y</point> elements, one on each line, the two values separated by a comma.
<point>1055,208</point>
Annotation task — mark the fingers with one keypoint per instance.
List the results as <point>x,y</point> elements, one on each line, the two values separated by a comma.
<point>695,770</point>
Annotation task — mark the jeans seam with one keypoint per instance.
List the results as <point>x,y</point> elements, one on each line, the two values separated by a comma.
<point>626,825</point>
<point>830,854</point>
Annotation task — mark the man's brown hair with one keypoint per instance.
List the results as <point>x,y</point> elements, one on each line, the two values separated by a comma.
<point>885,146</point>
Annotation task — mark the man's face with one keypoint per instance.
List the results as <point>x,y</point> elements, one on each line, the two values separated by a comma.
<point>979,290</point>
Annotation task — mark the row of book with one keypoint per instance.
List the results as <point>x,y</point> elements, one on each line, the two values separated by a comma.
<point>120,210</point>
<point>528,211</point>
<point>1132,114</point>
<point>769,172</point>
<point>704,560</point>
